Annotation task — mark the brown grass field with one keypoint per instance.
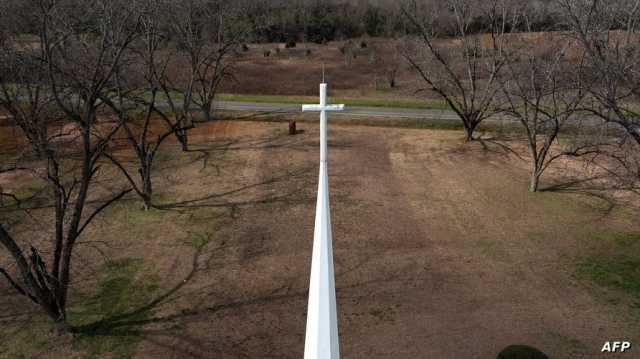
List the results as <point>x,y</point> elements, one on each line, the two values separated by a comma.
<point>292,72</point>
<point>289,72</point>
<point>440,253</point>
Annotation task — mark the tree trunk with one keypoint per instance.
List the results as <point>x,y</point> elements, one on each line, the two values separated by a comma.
<point>183,138</point>
<point>59,200</point>
<point>146,192</point>
<point>36,284</point>
<point>58,315</point>
<point>534,182</point>
<point>146,198</point>
<point>206,115</point>
<point>469,129</point>
<point>206,112</point>
<point>147,189</point>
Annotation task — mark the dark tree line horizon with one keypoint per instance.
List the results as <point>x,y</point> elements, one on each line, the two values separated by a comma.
<point>320,21</point>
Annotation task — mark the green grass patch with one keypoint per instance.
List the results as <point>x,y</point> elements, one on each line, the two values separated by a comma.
<point>29,342</point>
<point>554,202</point>
<point>349,101</point>
<point>198,241</point>
<point>615,265</point>
<point>132,213</point>
<point>125,285</point>
<point>139,221</point>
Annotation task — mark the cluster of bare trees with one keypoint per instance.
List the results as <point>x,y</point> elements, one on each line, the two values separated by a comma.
<point>205,40</point>
<point>554,83</point>
<point>73,77</point>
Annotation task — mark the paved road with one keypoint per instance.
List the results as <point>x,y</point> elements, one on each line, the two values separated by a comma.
<point>349,110</point>
<point>380,112</point>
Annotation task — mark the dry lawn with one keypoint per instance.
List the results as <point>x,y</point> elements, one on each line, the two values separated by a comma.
<point>289,71</point>
<point>440,253</point>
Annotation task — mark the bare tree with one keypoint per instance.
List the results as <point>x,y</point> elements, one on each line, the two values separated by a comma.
<point>462,71</point>
<point>75,59</point>
<point>208,36</point>
<point>542,94</point>
<point>609,39</point>
<point>608,34</point>
<point>154,90</point>
<point>622,163</point>
<point>388,62</point>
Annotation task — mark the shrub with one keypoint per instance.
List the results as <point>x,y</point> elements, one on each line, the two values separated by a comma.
<point>473,51</point>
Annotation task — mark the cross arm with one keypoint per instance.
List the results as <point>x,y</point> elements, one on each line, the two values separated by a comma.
<point>319,108</point>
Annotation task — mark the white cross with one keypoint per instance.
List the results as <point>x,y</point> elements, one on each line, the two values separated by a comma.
<point>321,340</point>
<point>323,108</point>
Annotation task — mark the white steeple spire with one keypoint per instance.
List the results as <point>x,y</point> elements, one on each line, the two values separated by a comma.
<point>322,321</point>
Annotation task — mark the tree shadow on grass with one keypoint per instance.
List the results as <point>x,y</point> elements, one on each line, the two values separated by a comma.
<point>110,324</point>
<point>586,187</point>
<point>123,329</point>
<point>221,199</point>
<point>500,146</point>
<point>120,330</point>
<point>167,332</point>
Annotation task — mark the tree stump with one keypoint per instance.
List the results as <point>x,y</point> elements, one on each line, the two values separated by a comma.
<point>292,127</point>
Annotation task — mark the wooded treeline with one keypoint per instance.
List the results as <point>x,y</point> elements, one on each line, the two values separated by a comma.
<point>328,20</point>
